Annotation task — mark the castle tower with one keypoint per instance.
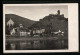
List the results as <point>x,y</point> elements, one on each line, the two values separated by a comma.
<point>58,12</point>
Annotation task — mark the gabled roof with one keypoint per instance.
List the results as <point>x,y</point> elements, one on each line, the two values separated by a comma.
<point>10,22</point>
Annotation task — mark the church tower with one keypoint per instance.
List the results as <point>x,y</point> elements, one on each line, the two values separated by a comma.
<point>10,23</point>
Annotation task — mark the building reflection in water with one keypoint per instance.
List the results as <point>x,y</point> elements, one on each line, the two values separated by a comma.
<point>35,45</point>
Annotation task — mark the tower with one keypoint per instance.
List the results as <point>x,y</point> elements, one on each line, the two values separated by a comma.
<point>9,26</point>
<point>10,23</point>
<point>58,12</point>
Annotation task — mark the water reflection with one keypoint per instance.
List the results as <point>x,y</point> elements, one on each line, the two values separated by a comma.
<point>34,45</point>
<point>12,46</point>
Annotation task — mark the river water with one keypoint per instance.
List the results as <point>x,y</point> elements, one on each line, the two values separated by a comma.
<point>35,45</point>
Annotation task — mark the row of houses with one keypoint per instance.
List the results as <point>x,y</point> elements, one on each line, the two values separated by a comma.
<point>27,32</point>
<point>22,31</point>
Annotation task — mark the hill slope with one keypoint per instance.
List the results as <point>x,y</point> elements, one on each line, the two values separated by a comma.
<point>19,20</point>
<point>56,22</point>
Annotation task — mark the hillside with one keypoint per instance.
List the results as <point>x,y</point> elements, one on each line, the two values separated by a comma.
<point>55,22</point>
<point>19,20</point>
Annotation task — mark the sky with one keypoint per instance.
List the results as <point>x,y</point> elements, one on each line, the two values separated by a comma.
<point>36,12</point>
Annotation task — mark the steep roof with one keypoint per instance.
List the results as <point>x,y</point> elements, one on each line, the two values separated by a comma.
<point>10,22</point>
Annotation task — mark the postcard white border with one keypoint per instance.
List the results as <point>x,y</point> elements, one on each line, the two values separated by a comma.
<point>72,29</point>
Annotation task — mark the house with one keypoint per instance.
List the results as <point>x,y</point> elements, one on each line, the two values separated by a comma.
<point>42,30</point>
<point>38,31</point>
<point>22,31</point>
<point>59,32</point>
<point>12,32</point>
